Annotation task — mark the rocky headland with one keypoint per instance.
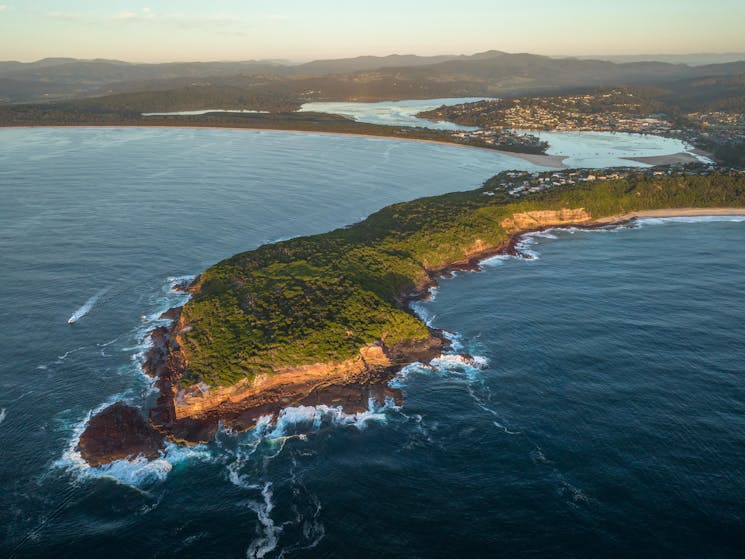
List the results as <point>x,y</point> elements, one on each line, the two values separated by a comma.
<point>326,319</point>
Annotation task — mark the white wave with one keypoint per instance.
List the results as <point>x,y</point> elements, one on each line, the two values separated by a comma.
<point>295,422</point>
<point>86,308</point>
<point>423,314</point>
<point>547,234</point>
<point>314,417</point>
<point>133,472</point>
<point>496,260</point>
<point>450,361</point>
<point>168,299</point>
<point>455,339</point>
<point>65,355</point>
<point>444,363</point>
<point>173,281</point>
<point>690,219</point>
<point>3,414</point>
<point>138,470</point>
<point>400,379</point>
<point>524,245</point>
<point>267,540</point>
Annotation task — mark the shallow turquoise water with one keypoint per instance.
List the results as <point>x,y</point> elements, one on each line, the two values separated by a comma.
<point>606,419</point>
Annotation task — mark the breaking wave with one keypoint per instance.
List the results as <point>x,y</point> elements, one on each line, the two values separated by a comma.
<point>454,361</point>
<point>168,298</point>
<point>135,472</point>
<point>690,219</point>
<point>3,414</point>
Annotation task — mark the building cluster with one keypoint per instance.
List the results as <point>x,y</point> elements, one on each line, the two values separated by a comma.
<point>615,110</point>
<point>567,114</point>
<point>502,138</point>
<point>522,183</point>
<point>510,121</point>
<point>720,127</point>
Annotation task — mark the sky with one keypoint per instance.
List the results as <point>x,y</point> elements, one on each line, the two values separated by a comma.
<point>301,30</point>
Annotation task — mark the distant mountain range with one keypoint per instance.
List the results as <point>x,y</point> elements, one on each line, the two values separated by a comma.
<point>694,59</point>
<point>367,78</point>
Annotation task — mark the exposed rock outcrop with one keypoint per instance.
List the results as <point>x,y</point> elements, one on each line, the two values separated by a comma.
<point>528,221</point>
<point>192,414</point>
<point>119,431</point>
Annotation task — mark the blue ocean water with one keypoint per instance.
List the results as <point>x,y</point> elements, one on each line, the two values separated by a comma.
<point>604,416</point>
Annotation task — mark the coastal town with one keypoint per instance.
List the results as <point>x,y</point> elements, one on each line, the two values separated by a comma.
<point>722,132</point>
<point>719,127</point>
<point>518,184</point>
<point>618,110</point>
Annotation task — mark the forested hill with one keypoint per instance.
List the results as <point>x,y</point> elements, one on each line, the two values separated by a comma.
<point>321,298</point>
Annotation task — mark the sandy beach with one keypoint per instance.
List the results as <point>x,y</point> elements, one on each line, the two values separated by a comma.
<point>672,212</point>
<point>673,159</point>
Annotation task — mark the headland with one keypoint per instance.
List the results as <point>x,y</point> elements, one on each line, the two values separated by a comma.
<point>325,319</point>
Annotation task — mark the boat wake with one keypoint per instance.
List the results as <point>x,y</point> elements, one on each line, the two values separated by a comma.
<point>86,308</point>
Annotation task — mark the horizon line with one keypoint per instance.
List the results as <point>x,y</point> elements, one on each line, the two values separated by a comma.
<point>296,62</point>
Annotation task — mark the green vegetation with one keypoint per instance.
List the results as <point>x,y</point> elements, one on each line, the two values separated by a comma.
<point>601,107</point>
<point>320,298</point>
<point>193,98</point>
<point>731,154</point>
<point>125,111</point>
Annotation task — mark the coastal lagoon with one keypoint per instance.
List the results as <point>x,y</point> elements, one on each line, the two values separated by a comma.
<point>605,413</point>
<point>581,148</point>
<point>393,113</point>
<point>611,149</point>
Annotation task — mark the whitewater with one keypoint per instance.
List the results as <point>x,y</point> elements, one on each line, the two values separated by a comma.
<point>563,421</point>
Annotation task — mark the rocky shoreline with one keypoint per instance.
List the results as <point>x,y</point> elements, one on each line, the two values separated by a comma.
<point>192,415</point>
<point>121,431</point>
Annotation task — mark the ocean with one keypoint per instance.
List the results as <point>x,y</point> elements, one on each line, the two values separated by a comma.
<point>603,415</point>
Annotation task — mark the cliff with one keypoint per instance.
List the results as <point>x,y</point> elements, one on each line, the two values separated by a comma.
<point>526,221</point>
<point>325,319</point>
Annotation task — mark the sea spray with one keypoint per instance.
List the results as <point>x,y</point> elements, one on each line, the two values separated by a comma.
<point>136,471</point>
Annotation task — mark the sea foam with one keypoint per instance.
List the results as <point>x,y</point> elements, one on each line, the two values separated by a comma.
<point>690,219</point>
<point>269,536</point>
<point>134,472</point>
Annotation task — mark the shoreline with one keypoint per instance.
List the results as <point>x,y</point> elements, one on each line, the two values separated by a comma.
<point>673,212</point>
<point>683,158</point>
<point>540,160</point>
<point>349,385</point>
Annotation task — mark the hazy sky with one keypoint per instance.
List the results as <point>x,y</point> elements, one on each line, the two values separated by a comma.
<point>162,30</point>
